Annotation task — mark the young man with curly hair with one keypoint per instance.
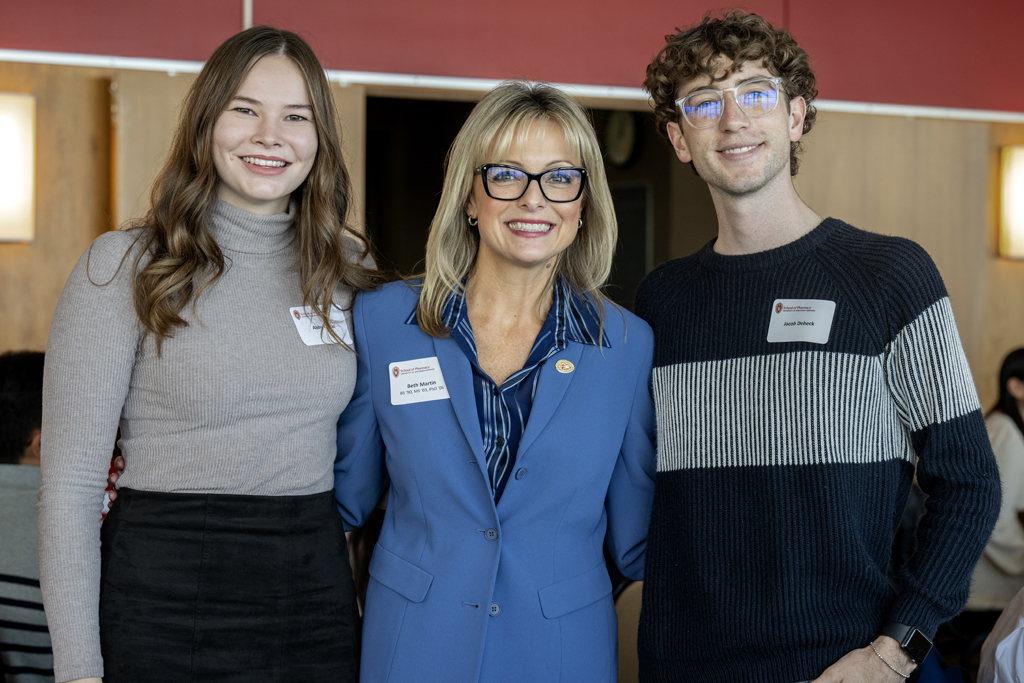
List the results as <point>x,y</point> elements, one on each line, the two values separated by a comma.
<point>803,370</point>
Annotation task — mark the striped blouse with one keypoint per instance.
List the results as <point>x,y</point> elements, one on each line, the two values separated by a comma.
<point>504,410</point>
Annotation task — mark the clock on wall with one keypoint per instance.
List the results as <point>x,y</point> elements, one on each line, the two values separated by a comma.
<point>620,137</point>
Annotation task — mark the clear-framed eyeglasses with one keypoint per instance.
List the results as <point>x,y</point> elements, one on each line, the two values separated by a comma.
<point>757,97</point>
<point>509,183</point>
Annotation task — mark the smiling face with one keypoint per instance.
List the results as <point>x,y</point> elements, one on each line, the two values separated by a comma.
<point>265,141</point>
<point>531,231</point>
<point>740,154</point>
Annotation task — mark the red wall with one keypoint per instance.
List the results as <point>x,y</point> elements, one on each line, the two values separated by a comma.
<point>937,53</point>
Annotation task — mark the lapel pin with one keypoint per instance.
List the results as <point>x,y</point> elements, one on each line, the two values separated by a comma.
<point>564,366</point>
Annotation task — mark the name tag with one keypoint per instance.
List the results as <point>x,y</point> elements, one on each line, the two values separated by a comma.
<point>801,320</point>
<point>311,327</point>
<point>416,381</point>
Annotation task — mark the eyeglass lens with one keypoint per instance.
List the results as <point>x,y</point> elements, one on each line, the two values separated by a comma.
<point>756,98</point>
<point>558,184</point>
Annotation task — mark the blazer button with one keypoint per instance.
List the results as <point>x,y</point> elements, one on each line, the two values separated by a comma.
<point>495,609</point>
<point>520,473</point>
<point>491,534</point>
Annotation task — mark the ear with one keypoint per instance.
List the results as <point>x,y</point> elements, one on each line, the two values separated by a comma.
<point>32,450</point>
<point>34,443</point>
<point>675,136</point>
<point>1016,388</point>
<point>797,112</point>
<point>471,209</point>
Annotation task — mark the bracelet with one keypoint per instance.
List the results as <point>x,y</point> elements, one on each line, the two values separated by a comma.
<point>894,669</point>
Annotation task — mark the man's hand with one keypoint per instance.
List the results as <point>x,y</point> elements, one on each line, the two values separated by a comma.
<point>112,479</point>
<point>864,666</point>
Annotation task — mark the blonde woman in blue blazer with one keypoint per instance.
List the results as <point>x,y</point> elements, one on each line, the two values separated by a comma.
<point>505,408</point>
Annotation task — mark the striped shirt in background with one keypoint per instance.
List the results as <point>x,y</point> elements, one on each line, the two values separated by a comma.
<point>504,410</point>
<point>25,653</point>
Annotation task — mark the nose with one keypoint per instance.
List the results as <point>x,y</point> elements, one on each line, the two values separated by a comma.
<point>733,116</point>
<point>533,196</point>
<point>267,132</point>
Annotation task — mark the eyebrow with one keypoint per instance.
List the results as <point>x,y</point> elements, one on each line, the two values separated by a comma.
<point>554,164</point>
<point>700,88</point>
<point>254,102</point>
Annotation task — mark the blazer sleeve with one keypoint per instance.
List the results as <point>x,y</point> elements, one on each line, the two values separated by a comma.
<point>631,490</point>
<point>360,476</point>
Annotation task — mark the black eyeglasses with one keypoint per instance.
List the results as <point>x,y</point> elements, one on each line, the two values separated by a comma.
<point>509,183</point>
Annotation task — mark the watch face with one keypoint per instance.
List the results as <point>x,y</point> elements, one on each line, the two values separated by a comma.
<point>916,645</point>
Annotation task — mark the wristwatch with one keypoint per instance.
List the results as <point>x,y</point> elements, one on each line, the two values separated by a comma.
<point>913,642</point>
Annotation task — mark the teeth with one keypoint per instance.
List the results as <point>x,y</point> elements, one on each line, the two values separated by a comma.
<point>530,227</point>
<point>263,162</point>
<point>738,150</point>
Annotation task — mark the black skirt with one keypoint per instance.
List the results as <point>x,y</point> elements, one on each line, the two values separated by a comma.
<point>199,587</point>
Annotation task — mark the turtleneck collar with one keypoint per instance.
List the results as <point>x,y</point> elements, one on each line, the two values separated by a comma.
<point>249,233</point>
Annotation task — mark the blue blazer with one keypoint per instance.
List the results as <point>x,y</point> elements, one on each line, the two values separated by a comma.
<point>462,590</point>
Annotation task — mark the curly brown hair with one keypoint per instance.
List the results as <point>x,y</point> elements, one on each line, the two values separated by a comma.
<point>740,37</point>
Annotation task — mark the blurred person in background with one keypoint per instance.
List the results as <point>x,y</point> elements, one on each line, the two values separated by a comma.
<point>215,332</point>
<point>999,575</point>
<point>1002,655</point>
<point>25,654</point>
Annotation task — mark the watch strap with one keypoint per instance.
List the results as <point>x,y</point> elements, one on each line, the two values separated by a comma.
<point>911,640</point>
<point>896,631</point>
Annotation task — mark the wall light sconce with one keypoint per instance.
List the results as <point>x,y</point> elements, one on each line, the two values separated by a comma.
<point>17,171</point>
<point>1011,214</point>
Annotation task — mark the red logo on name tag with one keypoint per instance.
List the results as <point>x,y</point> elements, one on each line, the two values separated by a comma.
<point>778,308</point>
<point>297,316</point>
<point>394,371</point>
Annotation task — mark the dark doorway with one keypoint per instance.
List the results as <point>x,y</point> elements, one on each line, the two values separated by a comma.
<point>406,144</point>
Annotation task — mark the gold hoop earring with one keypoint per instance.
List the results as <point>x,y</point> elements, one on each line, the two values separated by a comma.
<point>473,220</point>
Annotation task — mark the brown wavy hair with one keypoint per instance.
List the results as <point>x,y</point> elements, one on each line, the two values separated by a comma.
<point>185,259</point>
<point>740,37</point>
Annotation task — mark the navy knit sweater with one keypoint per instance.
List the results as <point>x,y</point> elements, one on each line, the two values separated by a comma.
<point>784,468</point>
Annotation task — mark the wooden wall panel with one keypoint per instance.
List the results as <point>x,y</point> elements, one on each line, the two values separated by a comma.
<point>145,112</point>
<point>1004,300</point>
<point>351,104</point>
<point>692,211</point>
<point>923,179</point>
<point>72,194</point>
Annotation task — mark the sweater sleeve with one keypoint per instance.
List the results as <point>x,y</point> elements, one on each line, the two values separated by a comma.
<point>90,354</point>
<point>931,385</point>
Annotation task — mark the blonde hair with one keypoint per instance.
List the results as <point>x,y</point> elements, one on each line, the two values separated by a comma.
<point>502,118</point>
<point>185,257</point>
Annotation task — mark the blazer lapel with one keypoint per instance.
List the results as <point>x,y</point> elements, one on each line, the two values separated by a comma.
<point>550,390</point>
<point>458,377</point>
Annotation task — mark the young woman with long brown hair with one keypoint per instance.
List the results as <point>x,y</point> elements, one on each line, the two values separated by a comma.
<point>200,332</point>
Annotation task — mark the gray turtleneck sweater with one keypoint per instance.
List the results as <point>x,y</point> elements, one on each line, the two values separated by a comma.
<point>236,404</point>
